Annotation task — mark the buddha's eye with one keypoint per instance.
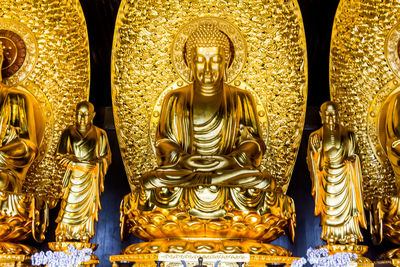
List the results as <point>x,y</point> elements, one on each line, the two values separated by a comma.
<point>217,59</point>
<point>199,59</point>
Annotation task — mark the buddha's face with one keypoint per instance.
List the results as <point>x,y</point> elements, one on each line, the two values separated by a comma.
<point>329,116</point>
<point>208,65</point>
<point>84,116</point>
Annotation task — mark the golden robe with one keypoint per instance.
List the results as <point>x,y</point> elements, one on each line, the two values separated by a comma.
<point>232,127</point>
<point>83,181</point>
<point>337,188</point>
<point>20,112</point>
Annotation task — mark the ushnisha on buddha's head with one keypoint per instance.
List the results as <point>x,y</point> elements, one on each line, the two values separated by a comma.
<point>84,115</point>
<point>329,114</point>
<point>208,54</point>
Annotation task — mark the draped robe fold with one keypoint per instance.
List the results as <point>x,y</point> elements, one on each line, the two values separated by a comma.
<point>234,125</point>
<point>83,181</point>
<point>19,113</point>
<point>337,188</point>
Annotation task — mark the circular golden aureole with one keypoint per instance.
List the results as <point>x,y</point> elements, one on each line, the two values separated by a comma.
<point>275,69</point>
<point>231,31</point>
<point>20,51</point>
<point>361,74</point>
<point>14,52</point>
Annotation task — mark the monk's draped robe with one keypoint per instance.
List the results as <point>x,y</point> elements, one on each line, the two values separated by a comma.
<point>83,181</point>
<point>232,132</point>
<point>337,188</point>
<point>19,111</point>
<point>234,125</point>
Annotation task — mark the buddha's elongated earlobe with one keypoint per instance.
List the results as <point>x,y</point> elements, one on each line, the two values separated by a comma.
<point>191,78</point>
<point>225,78</point>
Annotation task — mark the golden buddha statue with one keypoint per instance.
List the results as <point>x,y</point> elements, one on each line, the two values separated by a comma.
<point>20,134</point>
<point>208,183</point>
<point>208,132</point>
<point>84,151</point>
<point>337,179</point>
<point>386,210</point>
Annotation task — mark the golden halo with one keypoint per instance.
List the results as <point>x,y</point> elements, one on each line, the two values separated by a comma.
<point>392,49</point>
<point>20,50</point>
<point>232,32</point>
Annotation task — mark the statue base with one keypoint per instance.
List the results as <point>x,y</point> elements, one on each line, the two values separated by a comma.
<point>360,250</point>
<point>15,260</point>
<point>13,249</point>
<point>206,246</point>
<point>396,262</point>
<point>194,259</point>
<point>241,214</point>
<point>63,246</point>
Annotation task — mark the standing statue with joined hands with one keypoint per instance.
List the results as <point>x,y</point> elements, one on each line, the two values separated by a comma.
<point>85,152</point>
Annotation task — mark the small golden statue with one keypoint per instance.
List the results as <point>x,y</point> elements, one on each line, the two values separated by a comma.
<point>208,183</point>
<point>337,179</point>
<point>84,151</point>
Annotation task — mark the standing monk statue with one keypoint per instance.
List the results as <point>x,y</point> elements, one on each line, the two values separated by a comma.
<point>85,152</point>
<point>337,179</point>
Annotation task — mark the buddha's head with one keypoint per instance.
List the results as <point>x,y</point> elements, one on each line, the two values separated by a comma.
<point>208,54</point>
<point>84,115</point>
<point>329,114</point>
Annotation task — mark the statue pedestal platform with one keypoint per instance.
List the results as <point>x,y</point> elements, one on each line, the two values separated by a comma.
<point>194,259</point>
<point>15,260</point>
<point>63,246</point>
<point>18,255</point>
<point>360,250</point>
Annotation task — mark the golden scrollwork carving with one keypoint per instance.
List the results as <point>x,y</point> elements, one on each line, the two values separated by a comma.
<point>160,223</point>
<point>364,76</point>
<point>361,80</point>
<point>206,246</point>
<point>47,53</point>
<point>20,51</point>
<point>276,70</point>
